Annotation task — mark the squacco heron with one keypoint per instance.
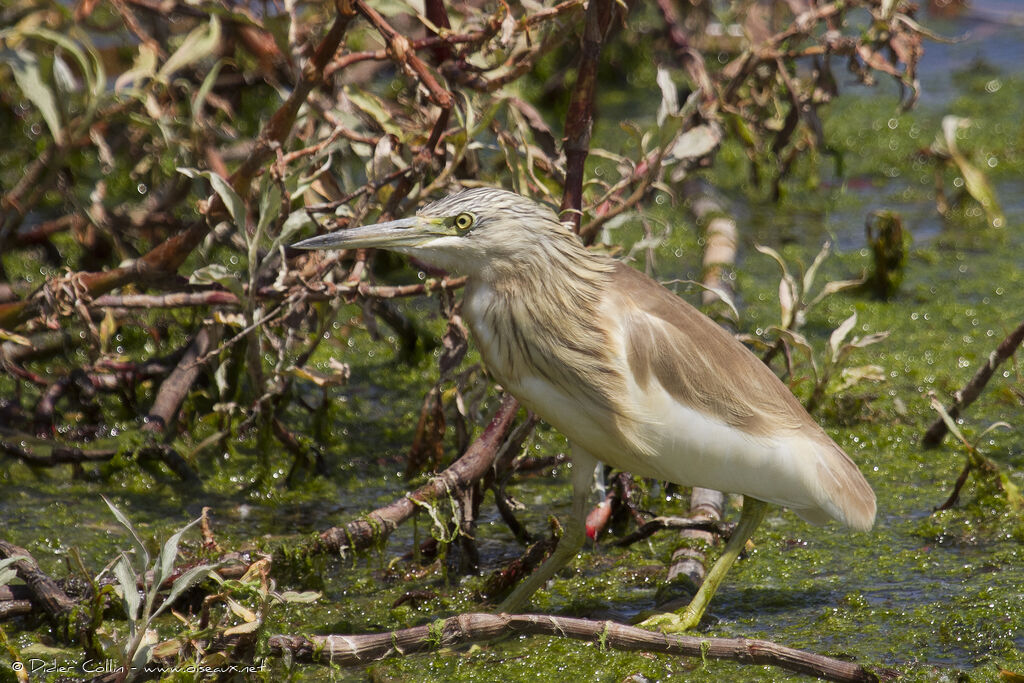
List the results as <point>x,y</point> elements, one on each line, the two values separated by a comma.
<point>633,375</point>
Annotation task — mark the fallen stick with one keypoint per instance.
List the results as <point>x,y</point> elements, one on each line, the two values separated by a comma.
<point>173,390</point>
<point>966,396</point>
<point>353,650</point>
<point>44,590</point>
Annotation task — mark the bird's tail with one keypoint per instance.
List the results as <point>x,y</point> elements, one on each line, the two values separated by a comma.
<point>844,493</point>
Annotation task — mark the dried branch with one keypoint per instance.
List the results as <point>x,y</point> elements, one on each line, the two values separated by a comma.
<point>966,396</point>
<point>376,526</point>
<point>352,650</point>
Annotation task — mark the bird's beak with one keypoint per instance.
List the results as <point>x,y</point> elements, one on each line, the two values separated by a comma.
<point>405,232</point>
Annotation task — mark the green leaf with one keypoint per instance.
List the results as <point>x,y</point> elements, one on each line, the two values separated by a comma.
<point>215,273</point>
<point>373,107</point>
<point>187,580</point>
<point>76,43</point>
<point>978,187</point>
<point>204,90</point>
<point>142,655</point>
<point>6,574</point>
<point>140,547</point>
<point>126,579</point>
<point>198,44</point>
<point>975,181</point>
<point>168,554</point>
<point>234,203</point>
<point>29,78</point>
<point>1012,492</point>
<point>297,220</point>
<point>270,209</point>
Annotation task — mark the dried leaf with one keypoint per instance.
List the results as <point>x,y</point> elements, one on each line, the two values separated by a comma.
<point>247,627</point>
<point>167,648</point>
<point>787,300</point>
<point>455,343</point>
<point>302,598</point>
<point>241,611</point>
<point>14,338</point>
<point>812,271</point>
<point>696,143</point>
<point>868,340</point>
<point>831,288</point>
<point>838,336</point>
<point>320,380</point>
<point>849,377</point>
<point>950,422</point>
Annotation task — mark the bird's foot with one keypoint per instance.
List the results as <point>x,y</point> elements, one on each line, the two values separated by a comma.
<point>670,622</point>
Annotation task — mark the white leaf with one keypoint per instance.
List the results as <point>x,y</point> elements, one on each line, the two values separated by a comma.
<point>669,96</point>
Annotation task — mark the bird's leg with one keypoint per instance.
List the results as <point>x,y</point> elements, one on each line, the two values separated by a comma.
<point>574,533</point>
<point>669,622</point>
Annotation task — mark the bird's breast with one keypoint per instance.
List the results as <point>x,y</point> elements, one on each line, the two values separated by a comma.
<point>525,369</point>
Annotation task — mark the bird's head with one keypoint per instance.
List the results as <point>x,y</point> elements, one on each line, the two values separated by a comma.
<point>462,233</point>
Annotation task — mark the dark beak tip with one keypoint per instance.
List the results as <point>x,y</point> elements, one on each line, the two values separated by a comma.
<point>313,243</point>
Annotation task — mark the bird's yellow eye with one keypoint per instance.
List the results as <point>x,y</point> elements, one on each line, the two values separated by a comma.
<point>463,222</point>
